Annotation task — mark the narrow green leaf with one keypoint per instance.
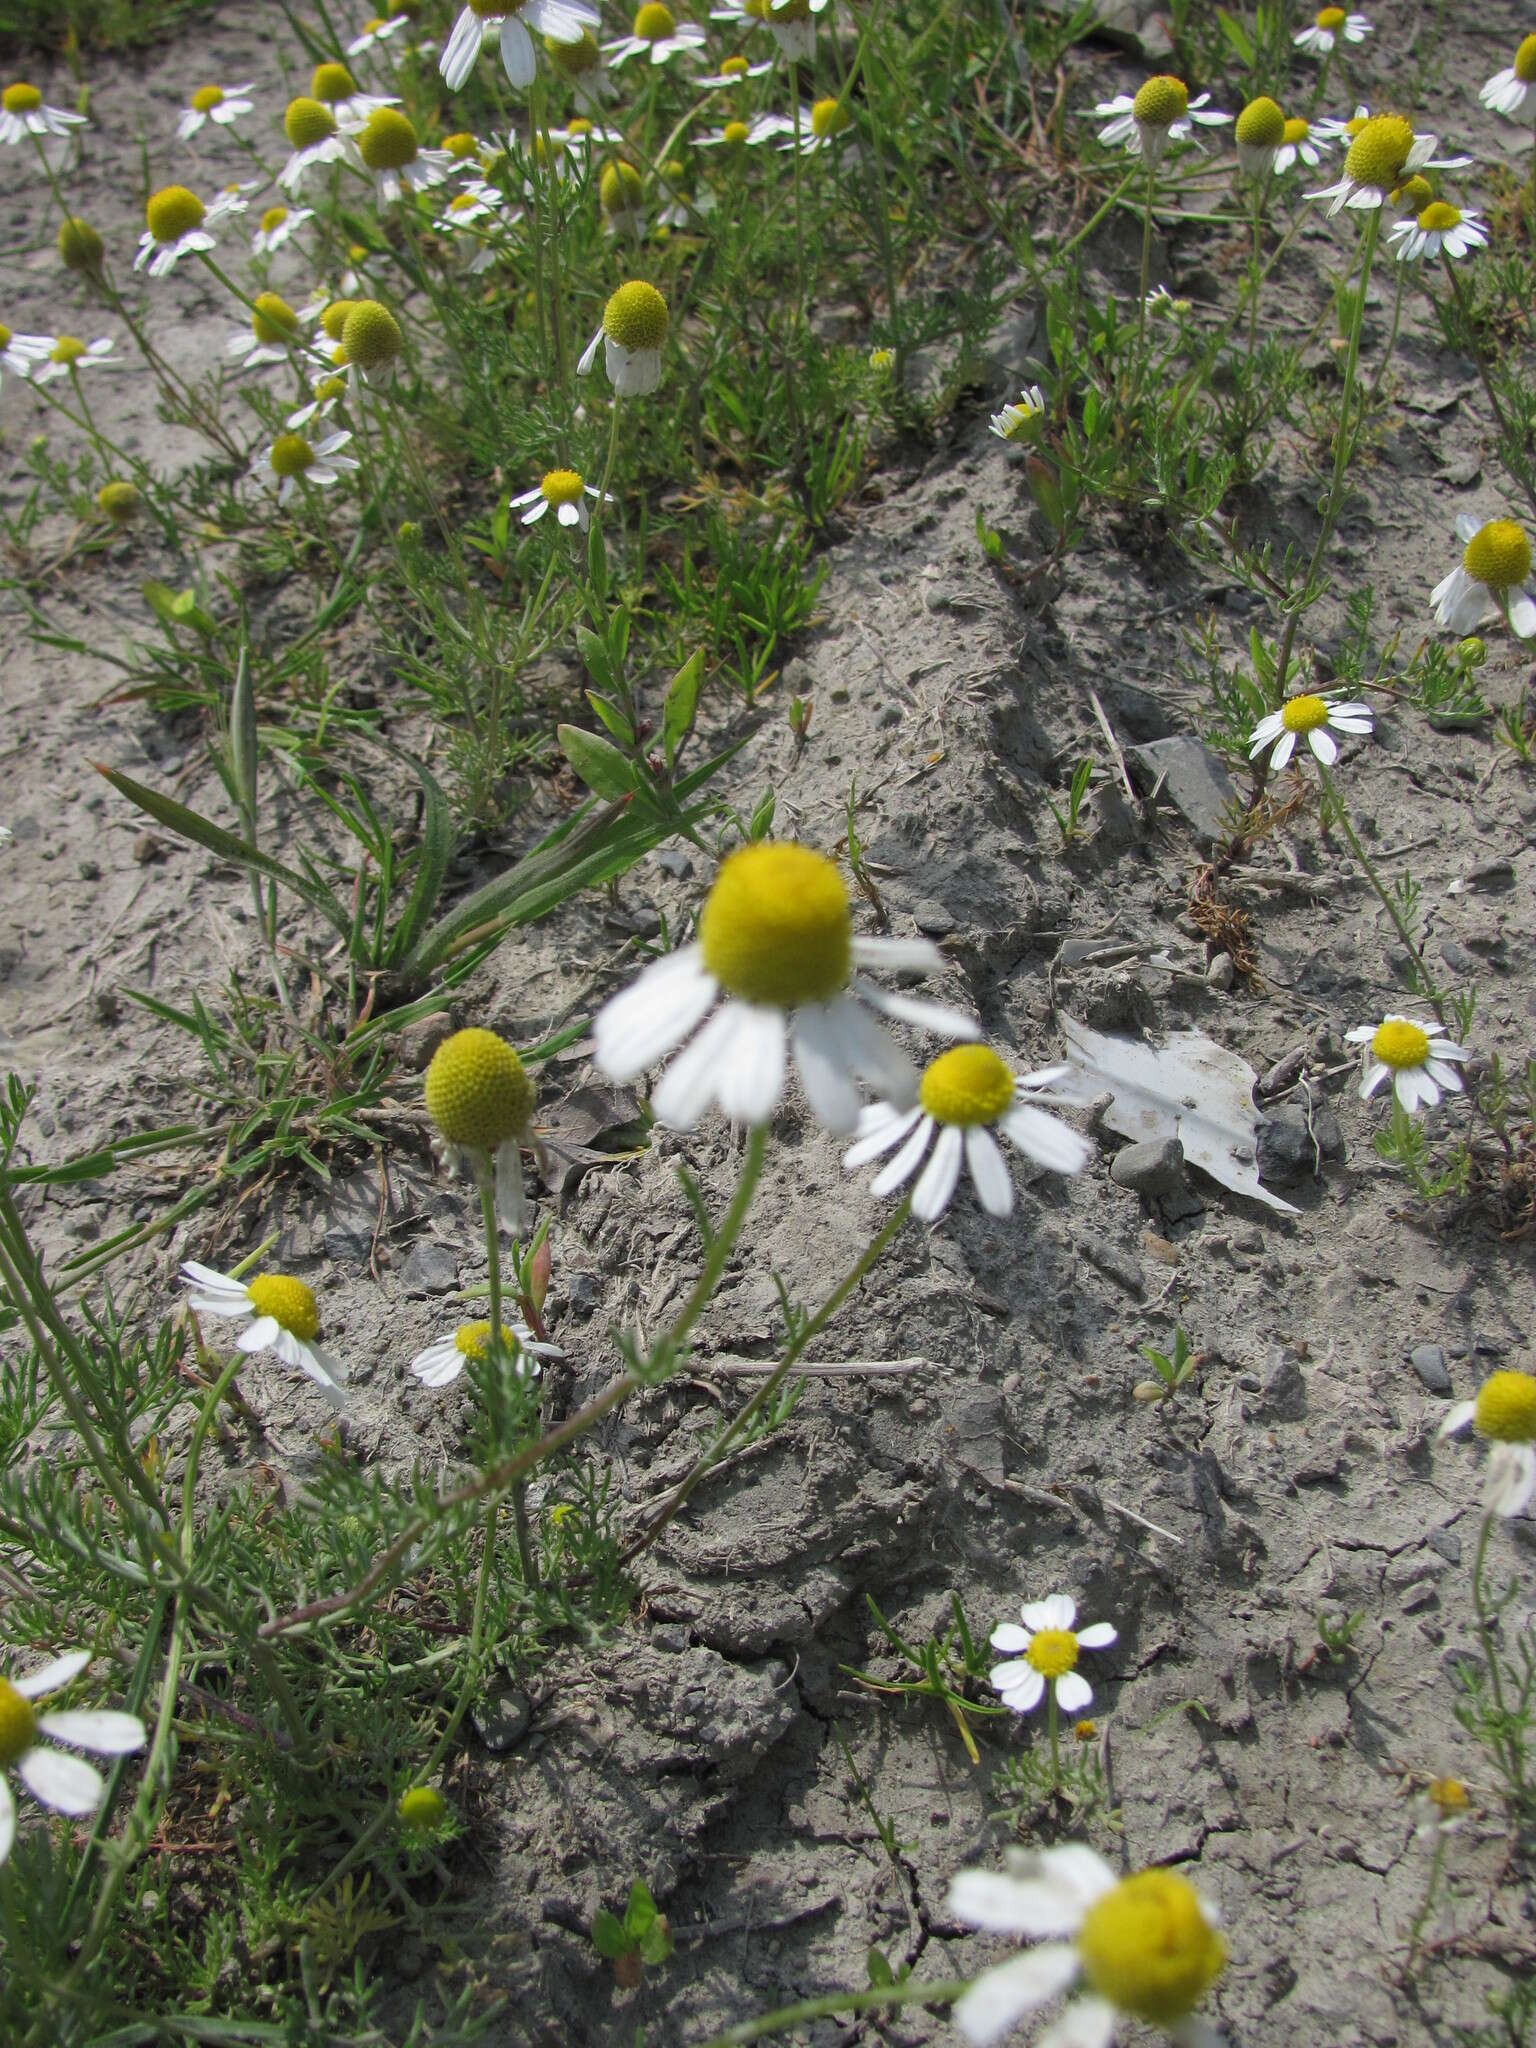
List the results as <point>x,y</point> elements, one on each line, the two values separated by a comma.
<point>682,703</point>
<point>594,655</point>
<point>438,840</point>
<point>613,717</point>
<point>596,762</point>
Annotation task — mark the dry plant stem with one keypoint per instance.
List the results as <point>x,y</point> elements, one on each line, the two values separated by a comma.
<point>1507,1746</point>
<point>880,1998</point>
<point>1427,985</point>
<point>525,1556</point>
<point>1465,308</point>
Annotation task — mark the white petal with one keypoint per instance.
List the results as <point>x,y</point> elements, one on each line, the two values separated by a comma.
<point>1078,1872</point>
<point>877,1130</point>
<point>264,1334</point>
<point>1086,2023</point>
<point>922,1015</point>
<point>895,956</point>
<point>1457,1418</point>
<point>463,47</point>
<point>1510,1479</point>
<point>1324,745</point>
<point>1045,1139</point>
<point>1466,526</point>
<point>904,1165</point>
<point>512,1204</point>
<point>54,1676</point>
<point>751,1075</point>
<point>1009,1636</point>
<point>1442,1075</point>
<point>989,1174</point>
<point>589,354</point>
<point>1098,1636</point>
<point>1375,1074</point>
<point>874,1056</point>
<point>439,1366</point>
<point>1023,1695</point>
<point>98,1729</point>
<point>1073,1692</point>
<point>1284,750</point>
<point>1522,615</point>
<point>1001,1997</point>
<point>517,53</point>
<point>647,1020</point>
<point>7,1819</point>
<point>821,1059</point>
<point>936,1184</point>
<point>1057,1610</point>
<point>687,1088</point>
<point>67,1783</point>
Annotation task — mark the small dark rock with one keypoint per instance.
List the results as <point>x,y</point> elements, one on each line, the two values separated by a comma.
<point>418,1041</point>
<point>501,1719</point>
<point>673,861</point>
<point>1153,1168</point>
<point>932,918</point>
<point>90,871</point>
<point>429,1268</point>
<point>1421,1595</point>
<point>1428,1361</point>
<point>1288,1150</point>
<point>1445,1543</point>
<point>147,849</point>
<point>583,1291</point>
<point>1285,1391</point>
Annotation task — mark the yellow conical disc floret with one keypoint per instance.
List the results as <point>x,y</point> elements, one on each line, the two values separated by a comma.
<point>477,1092</point>
<point>1261,125</point>
<point>790,10</point>
<point>206,98</point>
<point>776,928</point>
<point>1148,1948</point>
<point>273,219</point>
<point>333,321</point>
<point>1379,152</point>
<point>460,147</point>
<point>734,134</point>
<point>620,188</point>
<point>734,67</point>
<point>572,59</point>
<point>1525,61</point>
<point>473,1340</point>
<point>80,246</point>
<point>494,10</point>
<point>1506,1408</point>
<point>562,486</point>
<point>307,122</point>
<point>966,1085</point>
<point>288,1302</point>
<point>422,1810</point>
<point>1331,18</point>
<point>371,335</point>
<point>272,319</point>
<point>291,455</point>
<point>1052,1652</point>
<point>387,141</point>
<point>1438,216</point>
<point>1400,1043</point>
<point>18,1725</point>
<point>654,23</point>
<point>1499,555</point>
<point>21,99</point>
<point>1296,130</point>
<point>67,349</point>
<point>636,316</point>
<point>1413,194</point>
<point>173,212</point>
<point>118,501</point>
<point>1161,102</point>
<point>331,84</point>
<point>829,117</point>
<point>1303,714</point>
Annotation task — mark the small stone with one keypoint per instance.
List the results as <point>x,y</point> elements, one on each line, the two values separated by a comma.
<point>108,1009</point>
<point>501,1719</point>
<point>1194,782</point>
<point>1421,1595</point>
<point>429,1268</point>
<point>1445,1543</point>
<point>1284,1071</point>
<point>1288,1149</point>
<point>147,849</point>
<point>673,861</point>
<point>932,918</point>
<point>90,871</point>
<point>1285,1391</point>
<point>1153,1168</point>
<point>1222,971</point>
<point>1428,1361</point>
<point>797,678</point>
<point>419,1040</point>
<point>583,1291</point>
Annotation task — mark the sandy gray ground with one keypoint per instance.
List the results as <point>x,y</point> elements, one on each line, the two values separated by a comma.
<point>1300,1474</point>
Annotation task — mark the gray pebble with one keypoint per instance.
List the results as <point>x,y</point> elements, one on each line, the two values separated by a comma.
<point>1428,1361</point>
<point>1154,1167</point>
<point>501,1719</point>
<point>429,1268</point>
<point>933,918</point>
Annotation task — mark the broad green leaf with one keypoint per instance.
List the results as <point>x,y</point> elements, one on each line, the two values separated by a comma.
<point>682,704</point>
<point>594,653</point>
<point>641,1910</point>
<point>608,1936</point>
<point>596,762</point>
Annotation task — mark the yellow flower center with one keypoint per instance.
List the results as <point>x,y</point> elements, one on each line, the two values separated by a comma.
<point>206,98</point>
<point>1525,61</point>
<point>620,188</point>
<point>333,320</point>
<point>966,1085</point>
<point>1304,714</point>
<point>734,67</point>
<point>792,10</point>
<point>1506,1408</point>
<point>1296,130</point>
<point>829,117</point>
<point>26,99</point>
<point>562,486</point>
<point>1438,216</point>
<point>572,59</point>
<point>118,502</point>
<point>273,218</point>
<point>331,84</point>
<point>578,126</point>
<point>1354,124</point>
<point>882,359</point>
<point>776,927</point>
<point>273,318</point>
<point>373,24</point>
<point>734,134</point>
<point>18,1725</point>
<point>654,22</point>
<point>1052,1652</point>
<point>1413,194</point>
<point>291,455</point>
<point>307,122</point>
<point>1148,1948</point>
<point>1499,555</point>
<point>80,247</point>
<point>1261,125</point>
<point>69,348</point>
<point>1400,1043</point>
<point>422,1810</point>
<point>473,1340</point>
<point>5,335</point>
<point>1378,153</point>
<point>173,212</point>
<point>387,141</point>
<point>461,202</point>
<point>1085,1731</point>
<point>459,147</point>
<point>330,388</point>
<point>1331,18</point>
<point>636,316</point>
<point>1161,102</point>
<point>287,1301</point>
<point>477,1091</point>
<point>1449,1794</point>
<point>371,335</point>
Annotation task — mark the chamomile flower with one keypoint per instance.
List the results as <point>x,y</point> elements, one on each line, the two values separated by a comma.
<point>1440,226</point>
<point>23,115</point>
<point>1311,716</point>
<point>734,70</point>
<point>387,144</point>
<point>964,1095</point>
<point>822,126</point>
<point>1329,130</point>
<point>1145,1947</point>
<point>562,491</point>
<point>273,330</point>
<point>315,138</point>
<point>633,331</point>
<point>621,198</point>
<point>1162,112</point>
<point>62,1782</point>
<point>21,353</point>
<point>330,389</point>
<point>280,1314</point>
<point>792,24</point>
<point>775,940</point>
<point>559,21</point>
<point>882,361</point>
<point>578,136</point>
<point>1385,150</point>
<point>1330,27</point>
<point>1023,418</point>
<point>1162,304</point>
<point>1414,1056</point>
<point>1259,132</point>
<point>1493,575</point>
<point>177,226</point>
<point>333,86</point>
<point>276,226</point>
<point>221,104</point>
<point>481,1099</point>
<point>1042,1649</point>
<point>1300,144</point>
<point>1504,1413</point>
<point>293,458</point>
<point>583,67</point>
<point>70,355</point>
<point>442,1362</point>
<point>660,34</point>
<point>377,29</point>
<point>371,339</point>
<point>1513,92</point>
<point>474,211</point>
<point>1443,1804</point>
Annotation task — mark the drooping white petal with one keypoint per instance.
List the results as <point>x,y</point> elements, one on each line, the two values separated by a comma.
<point>1284,750</point>
<point>1457,1418</point>
<point>261,1335</point>
<point>896,956</point>
<point>1522,615</point>
<point>1045,1139</point>
<point>879,1128</point>
<point>874,1055</point>
<point>1073,1692</point>
<point>53,1676</point>
<point>99,1729</point>
<point>936,1183</point>
<point>1324,745</point>
<point>1375,1074</point>
<point>751,1075</point>
<point>7,1819</point>
<point>1086,2023</point>
<point>821,1059</point>
<point>686,1089</point>
<point>1510,1479</point>
<point>940,1018</point>
<point>67,1783</point>
<point>512,1204</point>
<point>658,1010</point>
<point>1001,1997</point>
<point>989,1174</point>
<point>904,1165</point>
<point>463,47</point>
<point>517,53</point>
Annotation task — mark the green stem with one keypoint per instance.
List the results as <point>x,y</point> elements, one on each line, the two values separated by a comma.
<point>1050,1721</point>
<point>1146,264</point>
<point>1437,1864</point>
<point>1427,985</point>
<point>1508,1745</point>
<point>1397,315</point>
